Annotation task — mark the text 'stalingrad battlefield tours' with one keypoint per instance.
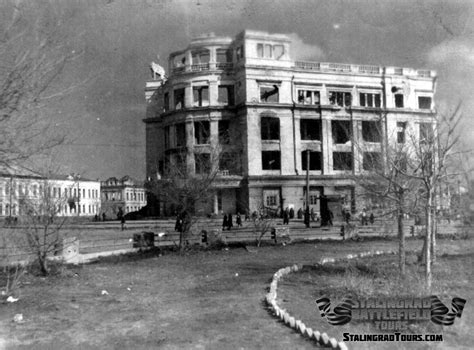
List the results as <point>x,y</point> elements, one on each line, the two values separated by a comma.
<point>185,174</point>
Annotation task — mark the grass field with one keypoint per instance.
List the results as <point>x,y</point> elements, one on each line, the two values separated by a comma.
<point>203,300</point>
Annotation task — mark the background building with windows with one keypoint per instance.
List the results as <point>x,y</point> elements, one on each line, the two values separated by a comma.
<point>21,192</point>
<point>125,193</point>
<point>280,117</point>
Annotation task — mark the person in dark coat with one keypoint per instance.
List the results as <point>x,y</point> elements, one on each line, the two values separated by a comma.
<point>300,213</point>
<point>178,224</point>
<point>225,222</point>
<point>330,217</point>
<point>286,217</point>
<point>230,224</point>
<point>372,218</point>
<point>292,213</point>
<point>238,220</point>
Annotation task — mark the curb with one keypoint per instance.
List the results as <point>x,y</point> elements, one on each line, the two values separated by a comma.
<point>296,324</point>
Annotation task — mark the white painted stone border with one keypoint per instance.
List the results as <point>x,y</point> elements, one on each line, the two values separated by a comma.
<point>298,325</point>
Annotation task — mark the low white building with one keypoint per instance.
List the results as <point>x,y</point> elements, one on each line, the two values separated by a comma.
<point>27,192</point>
<point>125,193</point>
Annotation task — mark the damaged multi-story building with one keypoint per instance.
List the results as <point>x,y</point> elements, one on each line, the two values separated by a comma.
<point>281,119</point>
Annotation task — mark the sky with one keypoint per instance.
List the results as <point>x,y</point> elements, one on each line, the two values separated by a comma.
<point>120,38</point>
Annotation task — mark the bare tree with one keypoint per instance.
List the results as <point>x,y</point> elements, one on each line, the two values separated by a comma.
<point>188,192</point>
<point>44,220</point>
<point>36,50</point>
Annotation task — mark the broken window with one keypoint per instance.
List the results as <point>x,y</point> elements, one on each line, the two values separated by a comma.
<point>224,134</point>
<point>166,102</point>
<point>267,51</point>
<point>308,97</point>
<point>369,99</point>
<point>259,50</point>
<point>179,98</point>
<point>229,163</point>
<point>278,51</point>
<point>203,163</point>
<point>426,133</point>
<point>200,57</point>
<point>340,98</point>
<point>179,60</point>
<point>401,127</point>
<point>223,56</point>
<point>269,94</point>
<point>342,160</point>
<point>314,160</point>
<point>239,52</point>
<point>202,133</point>
<point>341,131</point>
<point>180,163</point>
<point>167,137</point>
<point>270,128</point>
<point>180,135</point>
<point>226,95</point>
<point>399,100</point>
<point>310,129</point>
<point>271,160</point>
<point>424,102</point>
<point>372,161</point>
<point>200,96</point>
<point>371,131</point>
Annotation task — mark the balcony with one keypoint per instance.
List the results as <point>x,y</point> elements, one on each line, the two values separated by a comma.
<point>199,67</point>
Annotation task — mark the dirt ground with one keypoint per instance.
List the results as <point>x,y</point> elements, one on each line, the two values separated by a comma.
<point>203,300</point>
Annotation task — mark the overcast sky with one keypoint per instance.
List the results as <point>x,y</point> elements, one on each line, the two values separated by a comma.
<point>122,37</point>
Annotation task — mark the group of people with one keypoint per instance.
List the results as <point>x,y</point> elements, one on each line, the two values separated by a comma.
<point>227,222</point>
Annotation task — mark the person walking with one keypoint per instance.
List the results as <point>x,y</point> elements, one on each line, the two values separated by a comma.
<point>230,224</point>
<point>286,217</point>
<point>238,220</point>
<point>225,222</point>
<point>330,217</point>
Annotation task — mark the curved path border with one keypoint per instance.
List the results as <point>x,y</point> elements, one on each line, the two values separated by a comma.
<point>296,324</point>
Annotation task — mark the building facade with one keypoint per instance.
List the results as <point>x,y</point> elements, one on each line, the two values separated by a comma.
<point>125,193</point>
<point>24,194</point>
<point>280,118</point>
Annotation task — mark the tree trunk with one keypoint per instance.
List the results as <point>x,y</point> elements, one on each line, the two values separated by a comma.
<point>433,237</point>
<point>401,236</point>
<point>427,245</point>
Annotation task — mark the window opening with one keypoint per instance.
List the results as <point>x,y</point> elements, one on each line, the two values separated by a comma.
<point>371,131</point>
<point>310,129</point>
<point>271,160</point>
<point>341,131</point>
<point>342,160</point>
<point>270,128</point>
<point>269,94</point>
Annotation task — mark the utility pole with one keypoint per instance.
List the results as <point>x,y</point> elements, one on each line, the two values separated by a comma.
<point>306,213</point>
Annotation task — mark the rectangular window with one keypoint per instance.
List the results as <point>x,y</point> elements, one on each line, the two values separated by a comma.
<point>271,160</point>
<point>372,161</point>
<point>399,100</point>
<point>202,133</point>
<point>310,129</point>
<point>340,98</point>
<point>424,102</point>
<point>426,133</point>
<point>224,134</point>
<point>166,102</point>
<point>200,96</point>
<point>200,57</point>
<point>401,127</point>
<point>226,95</point>
<point>270,128</point>
<point>342,160</point>
<point>259,50</point>
<point>223,56</point>
<point>267,51</point>
<point>278,51</point>
<point>180,135</point>
<point>167,136</point>
<point>178,98</point>
<point>308,97</point>
<point>341,131</point>
<point>229,163</point>
<point>371,131</point>
<point>203,163</point>
<point>369,99</point>
<point>271,200</point>
<point>314,160</point>
<point>269,94</point>
<point>239,52</point>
